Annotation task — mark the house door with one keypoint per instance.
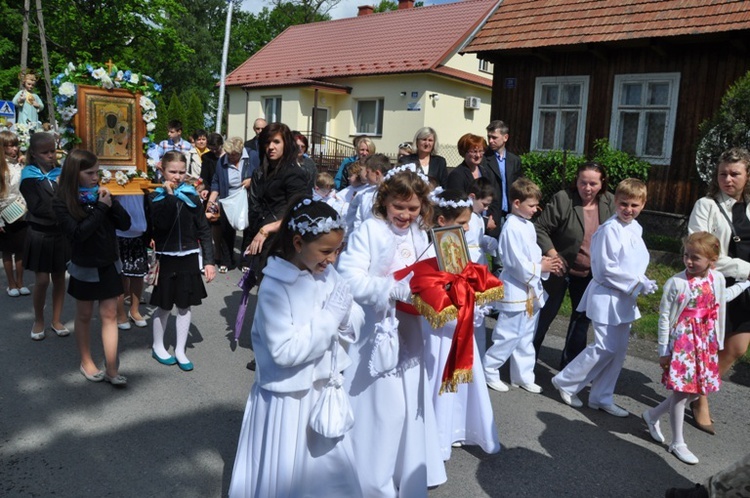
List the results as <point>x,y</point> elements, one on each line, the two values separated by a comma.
<point>320,120</point>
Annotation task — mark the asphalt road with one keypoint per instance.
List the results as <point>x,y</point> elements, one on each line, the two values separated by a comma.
<point>171,433</point>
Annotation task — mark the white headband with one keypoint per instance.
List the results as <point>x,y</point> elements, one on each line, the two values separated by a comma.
<point>304,223</point>
<point>406,167</point>
<point>436,199</point>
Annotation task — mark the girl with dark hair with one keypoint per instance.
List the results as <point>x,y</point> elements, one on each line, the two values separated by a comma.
<point>564,231</point>
<point>180,231</point>
<point>89,217</point>
<point>12,224</point>
<point>278,179</point>
<point>47,250</point>
<point>464,416</point>
<point>304,312</point>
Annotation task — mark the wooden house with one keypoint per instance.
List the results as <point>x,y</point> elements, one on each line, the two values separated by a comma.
<point>642,73</point>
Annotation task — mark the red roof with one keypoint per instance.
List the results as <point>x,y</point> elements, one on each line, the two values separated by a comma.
<point>402,41</point>
<point>526,24</point>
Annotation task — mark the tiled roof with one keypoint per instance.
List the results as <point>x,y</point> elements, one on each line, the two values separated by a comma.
<point>402,41</point>
<point>526,24</point>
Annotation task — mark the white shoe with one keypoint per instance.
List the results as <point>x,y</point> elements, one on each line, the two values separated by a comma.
<point>457,444</point>
<point>124,325</point>
<point>653,427</point>
<point>24,291</point>
<point>138,323</point>
<point>568,399</point>
<point>498,385</point>
<point>612,409</point>
<point>682,452</point>
<point>13,292</point>
<point>532,387</point>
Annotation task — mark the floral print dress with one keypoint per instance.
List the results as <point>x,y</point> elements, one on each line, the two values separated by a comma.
<point>695,349</point>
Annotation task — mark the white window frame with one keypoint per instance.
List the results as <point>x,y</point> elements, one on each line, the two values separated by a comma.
<point>614,130</point>
<point>485,66</point>
<point>379,104</point>
<point>582,108</point>
<point>275,115</point>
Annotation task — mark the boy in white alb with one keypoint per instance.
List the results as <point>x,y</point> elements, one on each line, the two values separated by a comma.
<point>619,259</point>
<point>524,267</point>
<point>360,209</point>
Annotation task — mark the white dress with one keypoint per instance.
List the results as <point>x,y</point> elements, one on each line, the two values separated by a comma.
<point>395,432</point>
<point>465,415</point>
<point>278,455</point>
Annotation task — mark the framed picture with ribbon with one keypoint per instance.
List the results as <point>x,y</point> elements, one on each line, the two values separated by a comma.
<point>450,246</point>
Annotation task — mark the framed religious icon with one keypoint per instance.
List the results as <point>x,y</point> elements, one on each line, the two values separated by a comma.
<point>450,246</point>
<point>109,124</point>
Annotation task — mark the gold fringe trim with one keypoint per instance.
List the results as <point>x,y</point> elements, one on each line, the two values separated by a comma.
<point>435,319</point>
<point>438,319</point>
<point>459,377</point>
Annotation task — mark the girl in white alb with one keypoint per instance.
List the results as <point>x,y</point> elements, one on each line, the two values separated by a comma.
<point>304,311</point>
<point>464,416</point>
<point>394,438</point>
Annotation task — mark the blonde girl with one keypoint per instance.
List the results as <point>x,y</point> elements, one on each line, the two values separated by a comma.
<point>691,333</point>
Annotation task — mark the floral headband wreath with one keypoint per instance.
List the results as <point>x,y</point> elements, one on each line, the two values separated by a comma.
<point>304,223</point>
<point>406,167</point>
<point>439,201</point>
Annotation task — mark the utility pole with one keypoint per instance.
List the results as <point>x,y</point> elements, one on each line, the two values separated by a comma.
<point>45,62</point>
<point>224,55</point>
<point>25,40</point>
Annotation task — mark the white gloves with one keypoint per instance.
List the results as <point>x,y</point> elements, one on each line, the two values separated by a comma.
<point>340,303</point>
<point>401,290</point>
<point>648,286</point>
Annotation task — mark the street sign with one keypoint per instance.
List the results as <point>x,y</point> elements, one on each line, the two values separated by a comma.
<point>7,113</point>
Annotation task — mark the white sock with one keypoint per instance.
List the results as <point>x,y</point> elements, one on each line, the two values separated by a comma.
<point>659,410</point>
<point>183,327</point>
<point>159,319</point>
<point>677,416</point>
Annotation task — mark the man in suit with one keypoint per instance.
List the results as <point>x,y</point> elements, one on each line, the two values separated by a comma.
<point>505,168</point>
<point>258,126</point>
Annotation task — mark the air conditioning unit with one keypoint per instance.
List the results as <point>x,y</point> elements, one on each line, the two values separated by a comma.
<point>472,103</point>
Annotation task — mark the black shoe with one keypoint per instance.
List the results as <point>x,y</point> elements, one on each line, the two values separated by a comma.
<point>251,365</point>
<point>699,491</point>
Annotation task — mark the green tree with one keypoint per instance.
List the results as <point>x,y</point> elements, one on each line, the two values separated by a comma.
<point>194,119</point>
<point>176,111</point>
<point>162,118</point>
<point>729,127</point>
<point>387,5</point>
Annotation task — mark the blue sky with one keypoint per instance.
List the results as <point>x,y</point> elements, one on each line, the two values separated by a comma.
<point>346,8</point>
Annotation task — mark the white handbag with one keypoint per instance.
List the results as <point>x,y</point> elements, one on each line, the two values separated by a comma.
<point>332,414</point>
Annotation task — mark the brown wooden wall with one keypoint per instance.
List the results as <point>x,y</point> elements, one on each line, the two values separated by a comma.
<point>707,69</point>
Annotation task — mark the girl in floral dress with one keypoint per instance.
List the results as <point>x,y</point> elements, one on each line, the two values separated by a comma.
<point>691,332</point>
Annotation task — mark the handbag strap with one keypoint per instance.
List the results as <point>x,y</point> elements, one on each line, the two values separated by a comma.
<point>334,350</point>
<point>735,237</point>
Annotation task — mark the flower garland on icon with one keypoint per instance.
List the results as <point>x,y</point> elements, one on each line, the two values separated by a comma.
<point>65,90</point>
<point>120,177</point>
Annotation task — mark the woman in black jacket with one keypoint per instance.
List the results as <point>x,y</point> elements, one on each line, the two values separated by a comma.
<point>434,166</point>
<point>89,216</point>
<point>278,179</point>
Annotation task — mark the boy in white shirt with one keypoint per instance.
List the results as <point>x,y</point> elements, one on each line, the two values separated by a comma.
<point>480,245</point>
<point>360,208</point>
<point>619,259</point>
<point>524,267</point>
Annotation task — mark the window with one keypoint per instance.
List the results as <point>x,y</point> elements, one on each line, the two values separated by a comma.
<point>272,109</point>
<point>559,120</point>
<point>485,66</point>
<point>369,119</point>
<point>644,107</point>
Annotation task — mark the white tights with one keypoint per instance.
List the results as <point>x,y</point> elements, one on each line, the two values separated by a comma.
<point>160,318</point>
<point>675,405</point>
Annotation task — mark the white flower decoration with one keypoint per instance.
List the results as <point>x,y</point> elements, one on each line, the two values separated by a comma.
<point>147,104</point>
<point>120,76</point>
<point>150,126</point>
<point>134,79</point>
<point>71,66</point>
<point>98,73</point>
<point>106,176</point>
<point>107,82</point>
<point>67,113</point>
<point>67,89</point>
<point>151,162</point>
<point>149,116</point>
<point>121,178</point>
